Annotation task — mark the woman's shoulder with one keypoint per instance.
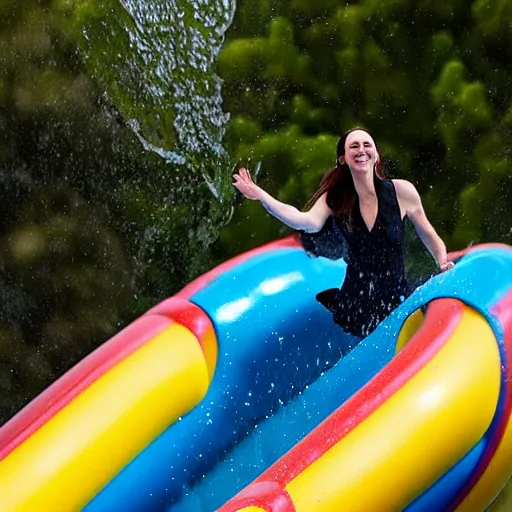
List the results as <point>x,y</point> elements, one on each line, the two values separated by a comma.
<point>404,189</point>
<point>407,195</point>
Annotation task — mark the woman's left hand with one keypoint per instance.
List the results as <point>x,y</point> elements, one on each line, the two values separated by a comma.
<point>446,265</point>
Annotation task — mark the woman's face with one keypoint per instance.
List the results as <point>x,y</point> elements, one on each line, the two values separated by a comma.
<point>360,152</point>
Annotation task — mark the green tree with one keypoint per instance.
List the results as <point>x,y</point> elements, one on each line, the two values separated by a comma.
<point>429,79</point>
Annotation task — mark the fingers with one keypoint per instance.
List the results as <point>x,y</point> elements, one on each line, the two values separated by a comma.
<point>244,173</point>
<point>243,178</point>
<point>447,266</point>
<point>239,175</point>
<point>241,183</point>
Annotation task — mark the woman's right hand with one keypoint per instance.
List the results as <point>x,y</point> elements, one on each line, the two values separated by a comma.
<point>311,221</point>
<point>243,182</point>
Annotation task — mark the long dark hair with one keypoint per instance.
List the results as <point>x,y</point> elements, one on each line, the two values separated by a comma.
<point>339,184</point>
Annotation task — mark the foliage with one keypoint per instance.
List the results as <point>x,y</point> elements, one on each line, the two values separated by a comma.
<point>428,79</point>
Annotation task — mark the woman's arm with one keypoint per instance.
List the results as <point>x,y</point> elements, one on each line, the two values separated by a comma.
<point>311,221</point>
<point>411,205</point>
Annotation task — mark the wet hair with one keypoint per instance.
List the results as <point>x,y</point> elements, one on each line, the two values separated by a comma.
<point>338,183</point>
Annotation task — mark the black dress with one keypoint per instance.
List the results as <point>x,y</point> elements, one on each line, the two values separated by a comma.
<point>375,281</point>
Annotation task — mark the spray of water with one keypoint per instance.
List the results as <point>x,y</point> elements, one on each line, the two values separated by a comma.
<point>174,103</point>
<point>178,42</point>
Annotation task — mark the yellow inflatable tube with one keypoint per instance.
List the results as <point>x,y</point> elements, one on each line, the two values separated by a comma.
<point>91,439</point>
<point>449,407</point>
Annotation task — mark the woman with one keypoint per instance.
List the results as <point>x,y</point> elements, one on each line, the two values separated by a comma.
<point>367,212</point>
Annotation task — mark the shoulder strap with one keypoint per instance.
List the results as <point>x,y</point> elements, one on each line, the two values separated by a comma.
<point>387,194</point>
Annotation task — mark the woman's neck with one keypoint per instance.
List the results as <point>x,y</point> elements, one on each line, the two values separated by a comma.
<point>364,185</point>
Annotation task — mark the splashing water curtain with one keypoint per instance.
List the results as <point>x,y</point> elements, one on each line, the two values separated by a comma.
<point>177,111</point>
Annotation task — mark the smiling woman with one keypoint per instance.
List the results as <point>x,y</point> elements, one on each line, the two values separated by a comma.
<point>365,214</point>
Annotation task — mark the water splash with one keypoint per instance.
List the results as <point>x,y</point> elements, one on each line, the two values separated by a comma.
<point>175,100</point>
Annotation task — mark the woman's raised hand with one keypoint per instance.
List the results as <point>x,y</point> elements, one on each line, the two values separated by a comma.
<point>243,182</point>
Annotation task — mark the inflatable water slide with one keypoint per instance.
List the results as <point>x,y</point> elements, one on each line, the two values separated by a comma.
<point>240,394</point>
